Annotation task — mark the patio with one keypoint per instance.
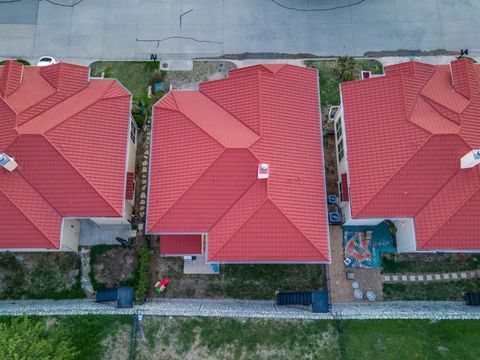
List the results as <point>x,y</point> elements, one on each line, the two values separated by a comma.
<point>364,244</point>
<point>93,234</point>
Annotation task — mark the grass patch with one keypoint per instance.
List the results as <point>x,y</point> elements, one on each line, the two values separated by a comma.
<point>330,81</point>
<point>134,75</point>
<point>411,339</point>
<point>435,264</point>
<point>260,281</point>
<point>436,291</point>
<point>84,332</point>
<point>221,338</point>
<point>40,276</point>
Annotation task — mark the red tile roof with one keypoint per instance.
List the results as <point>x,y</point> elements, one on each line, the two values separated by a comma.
<point>181,244</point>
<point>69,136</point>
<point>405,134</point>
<point>206,148</point>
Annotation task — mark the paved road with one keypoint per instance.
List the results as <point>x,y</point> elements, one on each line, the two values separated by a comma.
<point>83,30</point>
<point>249,309</point>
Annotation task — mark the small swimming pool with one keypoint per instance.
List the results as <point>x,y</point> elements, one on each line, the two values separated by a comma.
<point>363,245</point>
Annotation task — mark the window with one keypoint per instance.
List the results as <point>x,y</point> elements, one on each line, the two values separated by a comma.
<point>339,129</point>
<point>340,191</point>
<point>133,131</point>
<point>340,150</point>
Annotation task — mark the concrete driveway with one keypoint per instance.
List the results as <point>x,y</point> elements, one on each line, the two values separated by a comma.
<point>84,30</point>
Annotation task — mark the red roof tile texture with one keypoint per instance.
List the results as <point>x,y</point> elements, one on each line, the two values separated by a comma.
<point>406,133</point>
<point>206,148</point>
<point>69,136</point>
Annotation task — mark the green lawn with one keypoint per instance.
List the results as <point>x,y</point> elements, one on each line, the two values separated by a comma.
<point>92,336</point>
<point>329,80</point>
<point>410,339</point>
<point>109,337</point>
<point>430,263</point>
<point>215,338</point>
<point>450,290</point>
<point>134,75</point>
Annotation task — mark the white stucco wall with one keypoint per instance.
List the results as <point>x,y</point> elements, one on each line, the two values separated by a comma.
<point>70,235</point>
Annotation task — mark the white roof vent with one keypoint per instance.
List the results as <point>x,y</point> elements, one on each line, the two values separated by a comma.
<point>470,160</point>
<point>263,171</point>
<point>7,162</point>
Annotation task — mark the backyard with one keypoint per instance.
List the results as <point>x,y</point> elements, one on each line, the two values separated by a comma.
<point>430,264</point>
<point>40,276</point>
<point>109,337</point>
<point>236,281</point>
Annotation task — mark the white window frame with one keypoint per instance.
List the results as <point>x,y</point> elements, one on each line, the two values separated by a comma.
<point>133,131</point>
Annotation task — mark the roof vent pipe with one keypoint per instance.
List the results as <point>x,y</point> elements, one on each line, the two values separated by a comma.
<point>263,171</point>
<point>470,160</point>
<point>7,162</point>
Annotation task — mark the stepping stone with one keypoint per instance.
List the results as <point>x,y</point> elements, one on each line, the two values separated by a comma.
<point>140,227</point>
<point>142,213</point>
<point>142,208</point>
<point>146,152</point>
<point>145,163</point>
<point>144,187</point>
<point>455,276</point>
<point>438,277</point>
<point>386,278</point>
<point>463,275</point>
<point>144,169</point>
<point>144,181</point>
<point>429,277</point>
<point>142,202</point>
<point>472,274</point>
<point>420,277</point>
<point>143,195</point>
<point>404,277</point>
<point>446,276</point>
<point>395,277</point>
<point>412,278</point>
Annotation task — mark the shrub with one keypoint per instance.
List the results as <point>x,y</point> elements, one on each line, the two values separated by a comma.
<point>141,289</point>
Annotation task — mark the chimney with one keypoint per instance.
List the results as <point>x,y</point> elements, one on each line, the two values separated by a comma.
<point>7,162</point>
<point>470,160</point>
<point>263,171</point>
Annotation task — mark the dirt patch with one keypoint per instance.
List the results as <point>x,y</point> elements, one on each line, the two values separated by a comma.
<point>182,285</point>
<point>202,71</point>
<point>117,346</point>
<point>40,276</point>
<point>113,267</point>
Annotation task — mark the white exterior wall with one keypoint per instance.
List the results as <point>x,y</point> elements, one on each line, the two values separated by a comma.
<point>109,221</point>
<point>70,235</point>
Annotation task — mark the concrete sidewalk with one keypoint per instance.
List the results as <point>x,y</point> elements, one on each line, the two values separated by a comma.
<point>441,310</point>
<point>87,30</point>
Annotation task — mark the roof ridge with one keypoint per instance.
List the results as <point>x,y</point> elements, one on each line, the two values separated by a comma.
<point>56,92</point>
<point>28,217</point>
<point>189,187</point>
<point>419,93</point>
<point>453,214</point>
<point>228,111</point>
<point>243,222</point>
<point>71,116</point>
<point>394,174</point>
<point>445,183</point>
<point>80,173</point>
<point>296,226</point>
<point>194,123</point>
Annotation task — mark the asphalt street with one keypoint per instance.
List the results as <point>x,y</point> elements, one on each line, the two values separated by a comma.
<point>85,30</point>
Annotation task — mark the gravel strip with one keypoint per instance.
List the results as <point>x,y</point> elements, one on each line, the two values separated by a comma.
<point>435,310</point>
